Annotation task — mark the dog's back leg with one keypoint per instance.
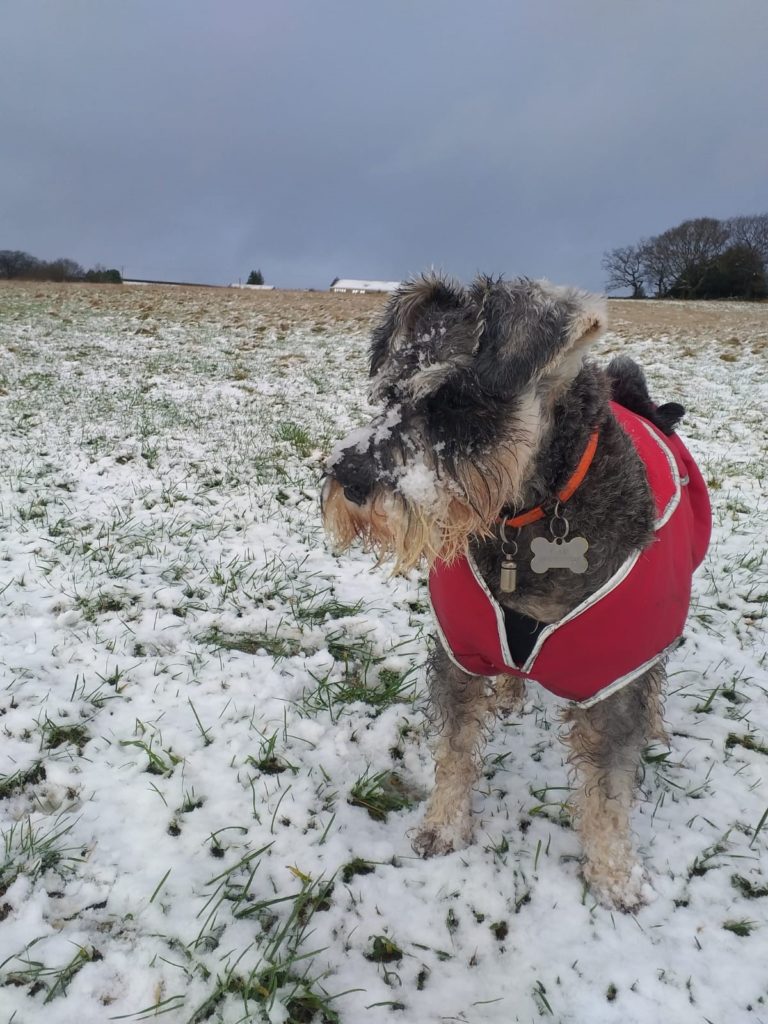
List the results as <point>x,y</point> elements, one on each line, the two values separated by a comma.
<point>606,743</point>
<point>459,708</point>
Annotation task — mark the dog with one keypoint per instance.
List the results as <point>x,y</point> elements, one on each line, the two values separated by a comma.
<point>561,519</point>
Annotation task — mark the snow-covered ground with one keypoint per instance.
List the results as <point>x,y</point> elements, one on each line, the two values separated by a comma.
<point>212,748</point>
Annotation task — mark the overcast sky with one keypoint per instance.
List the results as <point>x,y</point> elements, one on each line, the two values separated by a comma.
<point>198,139</point>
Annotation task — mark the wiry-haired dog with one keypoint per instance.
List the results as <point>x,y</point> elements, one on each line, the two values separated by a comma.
<point>561,518</point>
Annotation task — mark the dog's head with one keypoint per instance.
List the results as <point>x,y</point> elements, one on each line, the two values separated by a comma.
<point>466,378</point>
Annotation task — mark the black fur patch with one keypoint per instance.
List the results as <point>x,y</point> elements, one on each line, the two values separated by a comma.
<point>522,633</point>
<point>630,389</point>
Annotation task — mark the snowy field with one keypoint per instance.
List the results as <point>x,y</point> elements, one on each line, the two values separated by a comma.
<point>212,737</point>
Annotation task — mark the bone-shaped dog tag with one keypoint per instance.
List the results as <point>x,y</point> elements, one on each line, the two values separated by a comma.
<point>559,554</point>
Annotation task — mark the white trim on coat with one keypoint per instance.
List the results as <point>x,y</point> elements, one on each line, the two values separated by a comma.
<point>674,501</point>
<point>630,677</point>
<point>618,577</point>
<point>446,646</point>
<point>610,584</point>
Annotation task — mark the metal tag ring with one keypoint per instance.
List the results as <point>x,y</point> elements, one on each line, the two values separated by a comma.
<point>562,531</point>
<point>508,547</point>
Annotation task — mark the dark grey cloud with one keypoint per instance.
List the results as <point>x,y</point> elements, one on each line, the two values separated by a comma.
<point>194,139</point>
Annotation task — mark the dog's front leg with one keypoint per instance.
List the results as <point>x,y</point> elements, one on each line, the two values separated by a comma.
<point>459,707</point>
<point>606,744</point>
<point>507,696</point>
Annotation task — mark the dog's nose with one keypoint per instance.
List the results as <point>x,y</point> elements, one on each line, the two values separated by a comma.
<point>354,471</point>
<point>356,493</point>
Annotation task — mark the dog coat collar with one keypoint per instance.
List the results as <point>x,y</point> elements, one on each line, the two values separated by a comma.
<point>572,485</point>
<point>597,647</point>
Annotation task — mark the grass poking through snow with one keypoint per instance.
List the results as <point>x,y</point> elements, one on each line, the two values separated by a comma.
<point>212,747</point>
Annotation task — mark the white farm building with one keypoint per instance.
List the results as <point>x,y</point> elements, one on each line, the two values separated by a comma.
<point>255,287</point>
<point>362,287</point>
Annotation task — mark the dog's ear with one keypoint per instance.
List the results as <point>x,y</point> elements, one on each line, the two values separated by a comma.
<point>417,300</point>
<point>532,333</point>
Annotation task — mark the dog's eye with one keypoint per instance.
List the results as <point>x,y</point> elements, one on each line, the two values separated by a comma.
<point>454,393</point>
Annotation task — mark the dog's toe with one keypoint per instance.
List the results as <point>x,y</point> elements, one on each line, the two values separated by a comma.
<point>438,840</point>
<point>625,891</point>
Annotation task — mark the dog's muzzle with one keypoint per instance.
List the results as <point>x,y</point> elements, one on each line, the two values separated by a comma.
<point>354,473</point>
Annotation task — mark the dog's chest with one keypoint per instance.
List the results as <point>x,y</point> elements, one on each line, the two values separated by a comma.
<point>550,594</point>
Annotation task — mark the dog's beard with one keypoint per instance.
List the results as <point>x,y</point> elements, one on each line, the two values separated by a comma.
<point>386,525</point>
<point>394,528</point>
<point>466,501</point>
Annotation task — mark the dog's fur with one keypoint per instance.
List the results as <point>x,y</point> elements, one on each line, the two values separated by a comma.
<point>488,404</point>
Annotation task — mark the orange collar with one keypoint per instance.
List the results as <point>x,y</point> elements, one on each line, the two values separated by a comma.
<point>533,515</point>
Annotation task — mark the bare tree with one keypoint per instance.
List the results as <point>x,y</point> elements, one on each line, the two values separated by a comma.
<point>15,263</point>
<point>657,264</point>
<point>703,257</point>
<point>677,259</point>
<point>751,231</point>
<point>63,269</point>
<point>624,267</point>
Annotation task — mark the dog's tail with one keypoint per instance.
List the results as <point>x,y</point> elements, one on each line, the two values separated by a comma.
<point>630,389</point>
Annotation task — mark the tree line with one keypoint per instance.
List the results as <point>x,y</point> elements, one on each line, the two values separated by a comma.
<point>15,264</point>
<point>703,258</point>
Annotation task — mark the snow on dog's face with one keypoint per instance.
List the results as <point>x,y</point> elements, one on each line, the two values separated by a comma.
<point>466,379</point>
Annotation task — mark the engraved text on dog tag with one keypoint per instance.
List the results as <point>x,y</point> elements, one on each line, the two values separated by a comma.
<point>559,554</point>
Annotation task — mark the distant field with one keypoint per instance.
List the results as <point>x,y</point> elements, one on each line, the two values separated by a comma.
<point>234,309</point>
<point>211,736</point>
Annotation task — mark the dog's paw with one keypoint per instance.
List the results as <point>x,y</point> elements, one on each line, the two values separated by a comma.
<point>507,696</point>
<point>627,891</point>
<point>432,840</point>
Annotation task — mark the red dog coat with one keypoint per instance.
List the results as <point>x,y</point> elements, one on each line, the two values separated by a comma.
<point>624,627</point>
